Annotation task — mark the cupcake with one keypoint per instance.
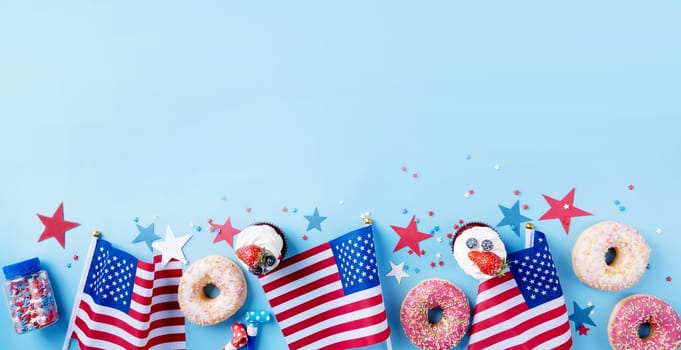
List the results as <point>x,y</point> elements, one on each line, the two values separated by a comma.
<point>260,247</point>
<point>479,250</point>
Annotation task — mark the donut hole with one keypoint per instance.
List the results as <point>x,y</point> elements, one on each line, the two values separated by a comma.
<point>645,330</point>
<point>435,315</point>
<point>610,256</point>
<point>211,291</point>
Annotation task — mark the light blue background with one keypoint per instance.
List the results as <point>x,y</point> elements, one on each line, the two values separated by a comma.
<point>143,109</point>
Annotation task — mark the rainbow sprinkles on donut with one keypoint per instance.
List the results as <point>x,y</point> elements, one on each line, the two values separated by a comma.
<point>520,301</point>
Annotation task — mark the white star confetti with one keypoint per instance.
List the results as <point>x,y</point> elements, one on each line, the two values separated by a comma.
<point>397,271</point>
<point>171,247</point>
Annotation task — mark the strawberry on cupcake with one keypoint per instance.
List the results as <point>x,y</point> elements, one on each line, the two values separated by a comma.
<point>260,247</point>
<point>479,251</point>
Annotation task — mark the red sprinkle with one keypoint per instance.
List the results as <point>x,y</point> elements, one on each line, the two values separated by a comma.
<point>631,187</point>
<point>423,252</point>
<point>440,262</point>
<point>471,192</point>
<point>414,175</point>
<point>432,264</point>
<point>449,235</point>
<point>456,226</point>
<point>248,210</point>
<point>304,237</point>
<point>430,213</point>
<point>460,221</point>
<point>75,256</point>
<point>669,278</point>
<point>284,209</point>
<point>525,206</point>
<point>516,192</point>
<point>403,168</point>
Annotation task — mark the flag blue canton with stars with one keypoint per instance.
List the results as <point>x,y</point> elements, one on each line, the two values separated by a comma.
<point>111,277</point>
<point>355,257</point>
<point>535,273</point>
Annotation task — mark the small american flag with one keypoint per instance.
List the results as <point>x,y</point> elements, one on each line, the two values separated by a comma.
<point>329,297</point>
<point>524,308</point>
<point>126,303</point>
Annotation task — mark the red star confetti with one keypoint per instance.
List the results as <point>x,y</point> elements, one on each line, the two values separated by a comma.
<point>669,278</point>
<point>403,168</point>
<point>414,175</point>
<point>563,209</point>
<point>631,187</point>
<point>525,206</point>
<point>516,192</point>
<point>583,330</point>
<point>248,210</point>
<point>431,213</point>
<point>304,237</point>
<point>56,226</point>
<point>225,232</point>
<point>410,237</point>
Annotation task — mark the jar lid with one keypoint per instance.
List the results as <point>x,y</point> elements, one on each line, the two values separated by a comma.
<point>21,268</point>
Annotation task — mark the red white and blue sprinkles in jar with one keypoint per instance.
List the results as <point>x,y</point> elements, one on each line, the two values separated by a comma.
<point>29,294</point>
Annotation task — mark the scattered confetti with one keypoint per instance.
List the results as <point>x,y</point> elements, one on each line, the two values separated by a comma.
<point>248,210</point>
<point>75,257</point>
<point>439,239</point>
<point>146,235</point>
<point>512,217</point>
<point>56,226</point>
<point>284,209</point>
<point>466,195</point>
<point>432,264</point>
<point>315,220</point>
<point>417,270</point>
<point>525,207</point>
<point>631,188</point>
<point>455,227</point>
<point>415,175</point>
<point>295,210</point>
<point>449,235</point>
<point>581,316</point>
<point>304,237</point>
<point>68,266</point>
<point>563,210</point>
<point>404,211</point>
<point>441,263</point>
<point>469,157</point>
<point>658,230</point>
<point>497,167</point>
<point>461,221</point>
<point>197,228</point>
<point>403,168</point>
<point>471,192</point>
<point>340,202</point>
<point>136,219</point>
<point>516,192</point>
<point>430,213</point>
<point>617,202</point>
<point>397,271</point>
<point>622,208</point>
<point>438,255</point>
<point>225,232</point>
<point>154,217</point>
<point>668,279</point>
<point>224,198</point>
<point>406,267</point>
<point>583,330</point>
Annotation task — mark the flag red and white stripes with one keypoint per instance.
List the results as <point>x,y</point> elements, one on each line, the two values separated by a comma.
<point>329,297</point>
<point>126,303</point>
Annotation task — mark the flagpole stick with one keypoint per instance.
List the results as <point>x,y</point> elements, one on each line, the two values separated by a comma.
<point>529,235</point>
<point>81,286</point>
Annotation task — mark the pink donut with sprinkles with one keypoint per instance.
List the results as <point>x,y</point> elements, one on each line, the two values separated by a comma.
<point>641,309</point>
<point>441,334</point>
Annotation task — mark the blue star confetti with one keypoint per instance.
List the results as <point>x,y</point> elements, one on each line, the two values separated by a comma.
<point>315,220</point>
<point>512,217</point>
<point>581,316</point>
<point>147,235</point>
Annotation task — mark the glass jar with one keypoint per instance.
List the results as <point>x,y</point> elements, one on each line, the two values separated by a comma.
<point>29,296</point>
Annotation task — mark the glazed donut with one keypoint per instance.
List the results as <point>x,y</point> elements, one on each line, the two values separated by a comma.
<point>433,294</point>
<point>630,250</point>
<point>633,311</point>
<point>226,276</point>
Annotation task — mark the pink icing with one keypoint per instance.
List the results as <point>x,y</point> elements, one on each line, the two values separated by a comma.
<point>430,294</point>
<point>665,325</point>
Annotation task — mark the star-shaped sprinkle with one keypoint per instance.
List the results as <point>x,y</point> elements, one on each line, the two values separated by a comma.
<point>171,247</point>
<point>397,271</point>
<point>581,316</point>
<point>668,279</point>
<point>512,217</point>
<point>563,209</point>
<point>583,330</point>
<point>56,226</point>
<point>410,237</point>
<point>315,220</point>
<point>147,235</point>
<point>225,232</point>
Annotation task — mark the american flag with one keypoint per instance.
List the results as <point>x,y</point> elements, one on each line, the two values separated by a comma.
<point>329,297</point>
<point>126,303</point>
<point>524,308</point>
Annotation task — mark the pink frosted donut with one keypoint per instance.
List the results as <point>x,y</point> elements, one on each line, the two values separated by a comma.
<point>432,294</point>
<point>630,250</point>
<point>630,312</point>
<point>226,276</point>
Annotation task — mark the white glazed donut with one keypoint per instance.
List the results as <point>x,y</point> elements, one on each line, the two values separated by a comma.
<point>226,276</point>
